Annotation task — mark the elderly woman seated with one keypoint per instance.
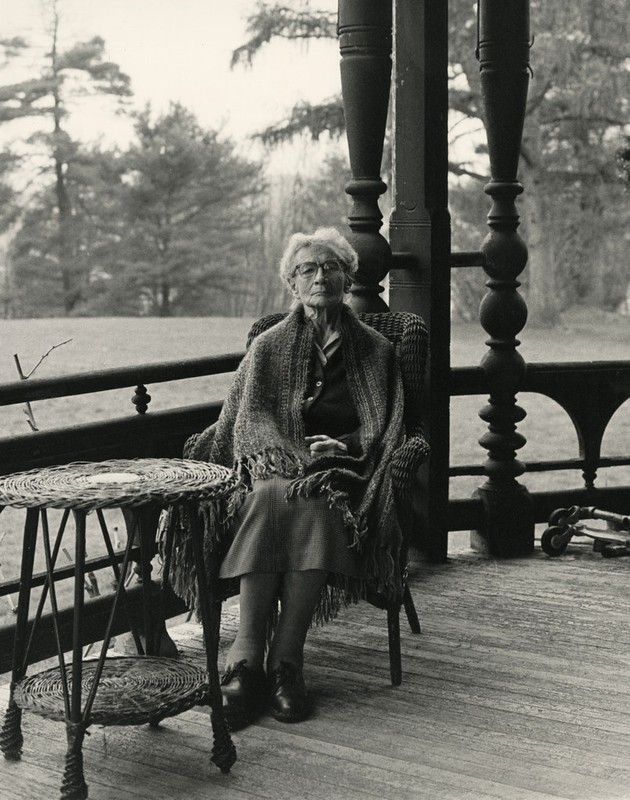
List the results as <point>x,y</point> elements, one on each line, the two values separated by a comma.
<point>313,423</point>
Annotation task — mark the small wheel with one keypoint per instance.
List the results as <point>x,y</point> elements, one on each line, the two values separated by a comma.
<point>553,541</point>
<point>556,517</point>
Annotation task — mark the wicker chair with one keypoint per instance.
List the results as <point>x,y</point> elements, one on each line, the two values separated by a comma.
<point>408,335</point>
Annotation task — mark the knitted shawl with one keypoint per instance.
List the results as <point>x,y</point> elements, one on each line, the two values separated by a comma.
<point>260,432</point>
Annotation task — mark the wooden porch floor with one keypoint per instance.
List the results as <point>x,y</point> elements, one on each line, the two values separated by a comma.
<point>518,687</point>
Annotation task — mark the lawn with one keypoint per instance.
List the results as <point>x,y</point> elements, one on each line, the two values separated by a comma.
<point>101,343</point>
<point>112,342</point>
<point>582,335</point>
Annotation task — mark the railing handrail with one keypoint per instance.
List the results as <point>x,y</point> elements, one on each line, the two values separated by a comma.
<point>465,379</point>
<point>469,380</point>
<point>117,378</point>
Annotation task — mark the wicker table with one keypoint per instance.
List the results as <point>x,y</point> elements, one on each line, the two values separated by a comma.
<point>132,690</point>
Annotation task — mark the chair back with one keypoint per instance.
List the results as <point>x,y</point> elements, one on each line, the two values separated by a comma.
<point>407,333</point>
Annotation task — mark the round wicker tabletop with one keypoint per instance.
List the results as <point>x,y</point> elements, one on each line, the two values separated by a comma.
<point>132,690</point>
<point>116,483</point>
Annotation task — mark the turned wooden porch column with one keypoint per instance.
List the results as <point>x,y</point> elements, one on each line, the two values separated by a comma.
<point>503,53</point>
<point>365,42</point>
<point>420,278</point>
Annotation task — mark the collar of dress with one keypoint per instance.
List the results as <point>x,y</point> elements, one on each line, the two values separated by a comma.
<point>330,346</point>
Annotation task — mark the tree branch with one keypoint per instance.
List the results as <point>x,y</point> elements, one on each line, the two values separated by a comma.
<point>277,21</point>
<point>326,117</point>
<point>460,170</point>
<point>534,102</point>
<point>611,121</point>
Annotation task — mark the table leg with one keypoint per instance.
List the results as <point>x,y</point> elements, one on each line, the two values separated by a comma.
<point>73,786</point>
<point>11,739</point>
<point>146,537</point>
<point>223,750</point>
<point>119,582</point>
<point>142,524</point>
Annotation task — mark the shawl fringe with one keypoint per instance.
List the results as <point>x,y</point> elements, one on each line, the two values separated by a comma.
<point>264,405</point>
<point>272,460</point>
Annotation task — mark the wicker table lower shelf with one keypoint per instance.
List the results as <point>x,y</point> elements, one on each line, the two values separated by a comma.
<point>132,690</point>
<point>126,690</point>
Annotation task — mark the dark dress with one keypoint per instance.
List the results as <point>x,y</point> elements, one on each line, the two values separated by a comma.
<point>273,534</point>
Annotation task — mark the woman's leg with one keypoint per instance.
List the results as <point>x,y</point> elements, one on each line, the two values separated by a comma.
<point>289,701</point>
<point>300,594</point>
<point>258,592</point>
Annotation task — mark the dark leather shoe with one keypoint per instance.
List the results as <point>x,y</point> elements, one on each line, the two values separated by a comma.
<point>288,697</point>
<point>244,694</point>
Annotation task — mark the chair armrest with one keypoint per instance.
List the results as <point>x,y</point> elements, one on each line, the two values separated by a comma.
<point>406,461</point>
<point>197,446</point>
<point>189,444</point>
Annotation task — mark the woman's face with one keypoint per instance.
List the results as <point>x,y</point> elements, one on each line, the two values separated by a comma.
<point>318,289</point>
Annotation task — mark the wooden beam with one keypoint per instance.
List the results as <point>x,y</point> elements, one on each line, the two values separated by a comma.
<point>420,226</point>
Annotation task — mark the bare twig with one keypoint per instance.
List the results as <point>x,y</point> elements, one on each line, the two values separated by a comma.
<point>28,410</point>
<point>54,347</point>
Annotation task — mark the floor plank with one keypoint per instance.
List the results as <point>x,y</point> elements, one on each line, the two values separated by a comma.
<point>517,688</point>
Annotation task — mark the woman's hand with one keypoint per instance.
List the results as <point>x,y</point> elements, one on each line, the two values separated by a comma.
<point>323,445</point>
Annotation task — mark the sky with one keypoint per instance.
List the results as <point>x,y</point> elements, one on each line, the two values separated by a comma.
<point>180,50</point>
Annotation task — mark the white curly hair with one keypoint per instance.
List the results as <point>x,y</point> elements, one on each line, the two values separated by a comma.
<point>331,239</point>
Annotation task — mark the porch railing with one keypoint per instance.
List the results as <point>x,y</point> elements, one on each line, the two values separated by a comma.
<point>590,393</point>
<point>155,434</point>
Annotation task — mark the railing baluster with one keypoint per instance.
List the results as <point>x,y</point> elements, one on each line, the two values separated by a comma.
<point>141,399</point>
<point>365,43</point>
<point>503,52</point>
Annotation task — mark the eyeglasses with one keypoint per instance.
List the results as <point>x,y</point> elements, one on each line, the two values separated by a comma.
<point>308,269</point>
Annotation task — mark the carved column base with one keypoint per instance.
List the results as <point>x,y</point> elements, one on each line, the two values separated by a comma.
<point>508,530</point>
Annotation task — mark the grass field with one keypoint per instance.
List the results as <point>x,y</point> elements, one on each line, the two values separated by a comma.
<point>112,342</point>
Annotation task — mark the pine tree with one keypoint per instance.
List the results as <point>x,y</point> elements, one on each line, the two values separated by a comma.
<point>58,76</point>
<point>189,216</point>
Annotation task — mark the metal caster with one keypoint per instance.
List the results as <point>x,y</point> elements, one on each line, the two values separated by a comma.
<point>554,540</point>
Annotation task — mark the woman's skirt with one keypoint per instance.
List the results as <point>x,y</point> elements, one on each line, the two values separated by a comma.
<point>273,534</point>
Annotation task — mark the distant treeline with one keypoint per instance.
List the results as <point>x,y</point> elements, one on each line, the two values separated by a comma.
<point>180,222</point>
